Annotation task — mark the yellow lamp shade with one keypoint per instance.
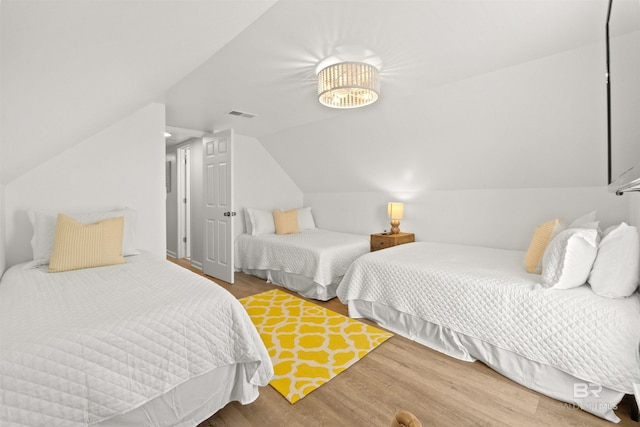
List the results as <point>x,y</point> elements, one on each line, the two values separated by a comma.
<point>395,210</point>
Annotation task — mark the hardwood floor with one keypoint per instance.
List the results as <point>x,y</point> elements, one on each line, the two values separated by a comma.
<point>401,374</point>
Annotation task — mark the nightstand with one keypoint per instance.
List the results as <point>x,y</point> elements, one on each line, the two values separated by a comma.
<point>383,241</point>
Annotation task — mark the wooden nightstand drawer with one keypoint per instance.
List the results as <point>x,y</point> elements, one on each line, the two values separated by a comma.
<point>383,241</point>
<point>380,244</point>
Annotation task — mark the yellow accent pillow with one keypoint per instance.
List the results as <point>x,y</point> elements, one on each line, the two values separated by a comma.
<point>79,245</point>
<point>541,238</point>
<point>286,222</point>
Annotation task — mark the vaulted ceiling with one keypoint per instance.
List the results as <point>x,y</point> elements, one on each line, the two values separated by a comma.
<point>269,69</point>
<point>429,128</point>
<point>72,67</point>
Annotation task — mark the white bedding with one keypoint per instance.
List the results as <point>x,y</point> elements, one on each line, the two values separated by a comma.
<point>486,294</point>
<point>81,347</point>
<point>320,256</point>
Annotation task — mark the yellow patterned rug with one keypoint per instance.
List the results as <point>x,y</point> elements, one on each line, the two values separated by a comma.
<point>308,344</point>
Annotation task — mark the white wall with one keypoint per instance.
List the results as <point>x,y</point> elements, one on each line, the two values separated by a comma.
<point>260,182</point>
<point>634,209</point>
<point>500,218</point>
<point>2,231</point>
<point>3,259</point>
<point>123,165</point>
<point>2,222</point>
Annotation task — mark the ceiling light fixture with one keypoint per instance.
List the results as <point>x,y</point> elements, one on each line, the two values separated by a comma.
<point>348,85</point>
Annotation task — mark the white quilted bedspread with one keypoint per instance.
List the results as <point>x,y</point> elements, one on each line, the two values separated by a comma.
<point>321,255</point>
<point>486,294</point>
<point>79,347</point>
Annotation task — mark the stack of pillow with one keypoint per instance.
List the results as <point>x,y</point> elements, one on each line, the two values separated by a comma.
<point>568,257</point>
<point>260,221</point>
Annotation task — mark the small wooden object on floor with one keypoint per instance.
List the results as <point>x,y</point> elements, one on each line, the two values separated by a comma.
<point>383,241</point>
<point>405,419</point>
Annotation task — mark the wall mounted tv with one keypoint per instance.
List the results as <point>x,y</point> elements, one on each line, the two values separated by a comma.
<point>623,95</point>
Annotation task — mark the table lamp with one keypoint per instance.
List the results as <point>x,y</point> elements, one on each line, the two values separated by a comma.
<point>396,213</point>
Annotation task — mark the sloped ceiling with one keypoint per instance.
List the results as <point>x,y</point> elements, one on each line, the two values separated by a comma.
<point>71,68</point>
<point>434,56</point>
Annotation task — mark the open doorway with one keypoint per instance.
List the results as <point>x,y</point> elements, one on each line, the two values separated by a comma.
<point>184,194</point>
<point>183,160</point>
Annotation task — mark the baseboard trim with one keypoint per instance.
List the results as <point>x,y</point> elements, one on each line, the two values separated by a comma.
<point>172,254</point>
<point>196,264</point>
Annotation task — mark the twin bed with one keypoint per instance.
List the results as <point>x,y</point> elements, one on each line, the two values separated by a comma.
<point>140,343</point>
<point>311,263</point>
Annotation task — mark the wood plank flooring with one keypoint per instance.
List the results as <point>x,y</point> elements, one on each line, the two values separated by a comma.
<point>401,374</point>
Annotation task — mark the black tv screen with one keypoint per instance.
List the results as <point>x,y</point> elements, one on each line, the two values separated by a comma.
<point>623,92</point>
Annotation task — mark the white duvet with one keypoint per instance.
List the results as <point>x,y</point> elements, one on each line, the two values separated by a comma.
<point>321,255</point>
<point>79,347</point>
<point>486,294</point>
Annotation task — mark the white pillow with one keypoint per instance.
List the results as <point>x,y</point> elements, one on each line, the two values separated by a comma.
<point>261,221</point>
<point>44,231</point>
<point>584,221</point>
<point>568,259</point>
<point>247,221</point>
<point>617,267</point>
<point>305,219</point>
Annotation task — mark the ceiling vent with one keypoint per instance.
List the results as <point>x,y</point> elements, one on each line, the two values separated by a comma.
<point>241,114</point>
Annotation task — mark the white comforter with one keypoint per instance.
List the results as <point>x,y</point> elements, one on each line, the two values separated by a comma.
<point>321,255</point>
<point>485,293</point>
<point>79,347</point>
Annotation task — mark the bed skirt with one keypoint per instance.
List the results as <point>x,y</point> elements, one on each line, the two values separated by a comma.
<point>305,286</point>
<point>193,401</point>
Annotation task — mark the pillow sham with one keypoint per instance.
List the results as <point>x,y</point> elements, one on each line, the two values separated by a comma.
<point>617,266</point>
<point>44,231</point>
<point>585,221</point>
<point>542,236</point>
<point>305,219</point>
<point>261,221</point>
<point>79,245</point>
<point>247,221</point>
<point>569,257</point>
<point>286,222</point>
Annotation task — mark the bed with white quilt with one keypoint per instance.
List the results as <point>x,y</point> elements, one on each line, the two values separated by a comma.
<point>476,303</point>
<point>140,343</point>
<point>311,262</point>
<point>287,249</point>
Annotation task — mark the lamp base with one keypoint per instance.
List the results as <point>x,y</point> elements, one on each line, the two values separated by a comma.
<point>395,226</point>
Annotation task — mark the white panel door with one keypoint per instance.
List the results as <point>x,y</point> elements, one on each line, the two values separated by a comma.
<point>218,206</point>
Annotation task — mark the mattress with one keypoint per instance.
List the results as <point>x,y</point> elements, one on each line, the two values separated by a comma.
<point>311,263</point>
<point>486,294</point>
<point>86,346</point>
